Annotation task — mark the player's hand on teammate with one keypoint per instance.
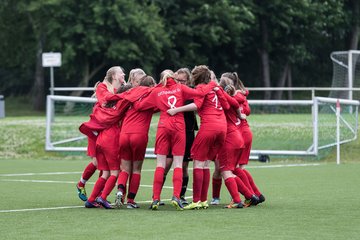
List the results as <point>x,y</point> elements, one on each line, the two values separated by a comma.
<point>172,111</point>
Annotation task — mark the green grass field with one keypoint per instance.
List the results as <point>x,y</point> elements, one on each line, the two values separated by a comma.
<point>315,201</point>
<point>306,197</point>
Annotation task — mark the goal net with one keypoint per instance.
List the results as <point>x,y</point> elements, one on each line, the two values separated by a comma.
<point>327,122</point>
<point>346,74</point>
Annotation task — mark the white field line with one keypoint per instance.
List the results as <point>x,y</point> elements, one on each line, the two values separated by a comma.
<point>69,182</point>
<point>72,182</point>
<point>151,170</point>
<point>68,207</point>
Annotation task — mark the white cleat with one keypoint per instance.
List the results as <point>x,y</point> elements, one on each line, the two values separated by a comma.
<point>215,201</point>
<point>119,201</point>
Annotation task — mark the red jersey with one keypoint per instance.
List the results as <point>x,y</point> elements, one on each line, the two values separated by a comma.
<point>210,110</point>
<point>136,121</point>
<point>230,106</point>
<point>172,95</point>
<point>103,95</point>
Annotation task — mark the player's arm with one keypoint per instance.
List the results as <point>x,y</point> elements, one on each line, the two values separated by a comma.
<point>197,92</point>
<point>104,96</point>
<point>222,99</point>
<point>186,108</point>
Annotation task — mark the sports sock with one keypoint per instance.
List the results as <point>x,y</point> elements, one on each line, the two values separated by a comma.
<point>242,188</point>
<point>88,172</point>
<point>98,187</point>
<point>242,175</point>
<point>158,182</point>
<point>252,183</point>
<point>122,180</point>
<point>109,186</point>
<point>164,179</point>
<point>198,177</point>
<point>206,183</point>
<point>216,187</point>
<point>230,184</point>
<point>177,181</point>
<point>133,186</point>
<point>185,181</point>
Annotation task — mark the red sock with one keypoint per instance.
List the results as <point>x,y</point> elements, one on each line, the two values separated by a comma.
<point>158,182</point>
<point>242,188</point>
<point>198,177</point>
<point>109,186</point>
<point>252,183</point>
<point>177,181</point>
<point>134,186</point>
<point>88,172</point>
<point>233,189</point>
<point>122,180</point>
<point>99,185</point>
<point>242,175</point>
<point>216,187</point>
<point>206,183</point>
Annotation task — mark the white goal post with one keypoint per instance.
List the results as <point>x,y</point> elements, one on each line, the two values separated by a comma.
<point>316,127</point>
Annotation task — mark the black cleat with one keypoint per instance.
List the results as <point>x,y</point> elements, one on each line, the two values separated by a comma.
<point>254,200</point>
<point>261,199</point>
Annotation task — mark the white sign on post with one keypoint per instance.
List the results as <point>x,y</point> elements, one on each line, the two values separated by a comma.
<point>51,59</point>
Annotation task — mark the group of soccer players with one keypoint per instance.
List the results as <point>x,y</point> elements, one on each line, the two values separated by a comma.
<point>118,135</point>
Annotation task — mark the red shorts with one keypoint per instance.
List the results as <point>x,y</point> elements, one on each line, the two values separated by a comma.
<point>107,158</point>
<point>133,146</point>
<point>245,153</point>
<point>207,144</point>
<point>234,139</point>
<point>91,148</point>
<point>170,140</point>
<point>228,158</point>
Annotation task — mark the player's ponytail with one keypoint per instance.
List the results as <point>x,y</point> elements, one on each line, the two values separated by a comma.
<point>165,75</point>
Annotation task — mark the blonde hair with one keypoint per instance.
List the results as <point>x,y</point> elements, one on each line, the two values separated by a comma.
<point>164,75</point>
<point>108,79</point>
<point>134,72</point>
<point>200,74</point>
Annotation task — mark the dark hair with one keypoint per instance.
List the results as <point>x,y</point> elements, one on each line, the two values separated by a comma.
<point>227,85</point>
<point>124,88</point>
<point>200,74</point>
<point>238,84</point>
<point>147,81</point>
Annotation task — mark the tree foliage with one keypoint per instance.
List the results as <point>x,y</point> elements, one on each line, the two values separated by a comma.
<point>269,43</point>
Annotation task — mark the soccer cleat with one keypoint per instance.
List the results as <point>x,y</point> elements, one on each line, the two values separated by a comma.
<point>94,204</point>
<point>215,201</point>
<point>204,205</point>
<point>254,200</point>
<point>119,199</point>
<point>193,205</point>
<point>131,205</point>
<point>161,203</point>
<point>155,205</point>
<point>81,193</point>
<point>235,205</point>
<point>261,199</point>
<point>183,201</point>
<point>176,202</point>
<point>104,203</point>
